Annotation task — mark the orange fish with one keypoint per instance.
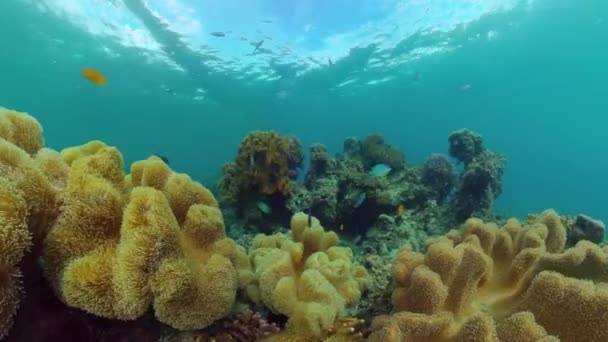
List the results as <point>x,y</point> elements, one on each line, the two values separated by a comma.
<point>400,210</point>
<point>94,76</point>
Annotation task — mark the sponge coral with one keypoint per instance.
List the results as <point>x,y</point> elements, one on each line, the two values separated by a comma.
<point>154,238</point>
<point>309,278</point>
<point>511,284</point>
<point>266,163</point>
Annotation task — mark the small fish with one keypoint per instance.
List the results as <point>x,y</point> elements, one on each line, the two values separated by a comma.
<point>94,76</point>
<point>266,21</point>
<point>218,34</point>
<point>341,226</point>
<point>163,158</point>
<point>257,45</point>
<point>359,199</point>
<point>464,87</point>
<point>400,210</point>
<point>417,76</point>
<point>282,94</point>
<point>251,161</point>
<point>265,208</point>
<point>380,170</point>
<point>329,61</point>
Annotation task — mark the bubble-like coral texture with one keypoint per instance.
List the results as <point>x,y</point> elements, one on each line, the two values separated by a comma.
<point>516,283</point>
<point>153,238</point>
<point>306,277</point>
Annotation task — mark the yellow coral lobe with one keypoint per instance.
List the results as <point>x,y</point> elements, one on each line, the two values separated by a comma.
<point>21,129</point>
<point>94,76</point>
<point>15,240</point>
<point>308,279</point>
<point>499,284</point>
<point>154,238</point>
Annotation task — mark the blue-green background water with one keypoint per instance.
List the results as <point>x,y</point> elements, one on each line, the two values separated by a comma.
<point>537,70</point>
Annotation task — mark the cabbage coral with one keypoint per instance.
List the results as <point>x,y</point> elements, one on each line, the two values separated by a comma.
<point>153,238</point>
<point>266,163</point>
<point>488,284</point>
<point>309,279</point>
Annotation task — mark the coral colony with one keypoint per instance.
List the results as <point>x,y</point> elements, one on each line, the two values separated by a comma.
<point>377,249</point>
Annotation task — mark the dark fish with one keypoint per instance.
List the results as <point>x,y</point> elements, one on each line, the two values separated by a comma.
<point>266,21</point>
<point>359,199</point>
<point>218,34</point>
<point>329,61</point>
<point>257,45</point>
<point>163,158</point>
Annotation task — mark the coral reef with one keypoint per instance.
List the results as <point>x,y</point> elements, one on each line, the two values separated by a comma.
<point>438,174</point>
<point>586,228</point>
<point>245,327</point>
<point>518,276</point>
<point>266,163</point>
<point>465,145</point>
<point>382,243</point>
<point>480,181</point>
<point>341,190</point>
<point>127,251</point>
<point>309,279</point>
<point>373,150</point>
<point>155,237</point>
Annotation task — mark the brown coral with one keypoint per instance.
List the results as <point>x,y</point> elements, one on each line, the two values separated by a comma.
<point>308,279</point>
<point>266,163</point>
<point>154,238</point>
<point>375,151</point>
<point>517,276</point>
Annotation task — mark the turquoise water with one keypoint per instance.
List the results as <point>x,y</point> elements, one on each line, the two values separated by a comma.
<point>530,76</point>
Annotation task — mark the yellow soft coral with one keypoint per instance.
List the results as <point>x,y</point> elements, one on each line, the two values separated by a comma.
<point>42,198</point>
<point>154,238</point>
<point>309,278</point>
<point>517,276</point>
<point>28,205</point>
<point>15,240</point>
<point>21,130</point>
